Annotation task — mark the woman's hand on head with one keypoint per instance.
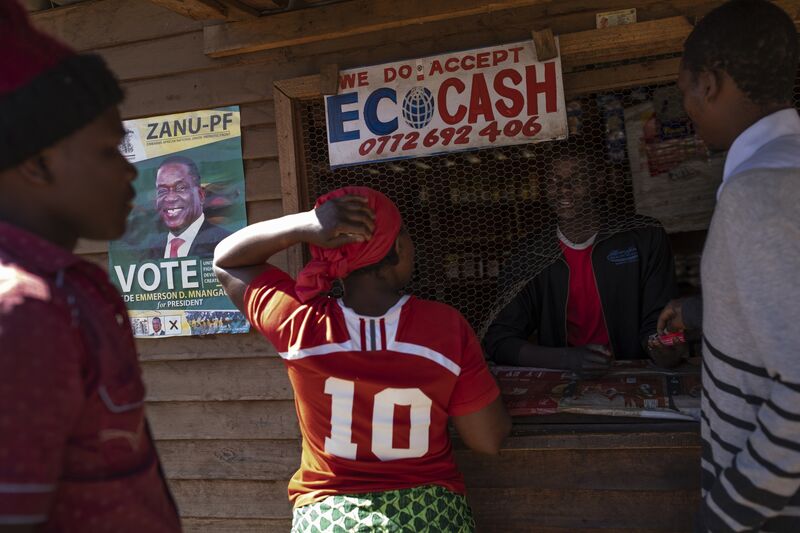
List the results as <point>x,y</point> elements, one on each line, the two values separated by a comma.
<point>343,220</point>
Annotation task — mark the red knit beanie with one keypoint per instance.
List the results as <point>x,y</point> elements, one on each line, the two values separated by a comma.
<point>47,91</point>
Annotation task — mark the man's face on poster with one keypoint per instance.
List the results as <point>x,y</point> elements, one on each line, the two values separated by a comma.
<point>156,325</point>
<point>179,197</point>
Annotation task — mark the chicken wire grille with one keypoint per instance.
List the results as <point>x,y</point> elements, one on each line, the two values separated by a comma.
<point>484,222</point>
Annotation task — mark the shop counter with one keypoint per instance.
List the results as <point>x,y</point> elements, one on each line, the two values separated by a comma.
<point>575,471</point>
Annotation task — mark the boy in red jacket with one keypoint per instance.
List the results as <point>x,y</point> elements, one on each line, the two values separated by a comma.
<point>75,450</point>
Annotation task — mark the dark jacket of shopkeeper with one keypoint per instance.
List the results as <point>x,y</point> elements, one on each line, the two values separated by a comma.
<point>635,277</point>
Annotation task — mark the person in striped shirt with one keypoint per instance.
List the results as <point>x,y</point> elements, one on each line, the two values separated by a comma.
<point>737,77</point>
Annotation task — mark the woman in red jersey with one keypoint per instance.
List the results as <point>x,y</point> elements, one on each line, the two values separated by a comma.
<point>376,374</point>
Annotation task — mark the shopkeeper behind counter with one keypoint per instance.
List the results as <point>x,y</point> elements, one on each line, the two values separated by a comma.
<point>605,278</point>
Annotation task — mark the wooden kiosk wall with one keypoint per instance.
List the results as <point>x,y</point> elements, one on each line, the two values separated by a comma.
<point>221,406</point>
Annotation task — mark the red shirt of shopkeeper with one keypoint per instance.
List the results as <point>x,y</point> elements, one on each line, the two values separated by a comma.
<point>75,451</point>
<point>585,321</point>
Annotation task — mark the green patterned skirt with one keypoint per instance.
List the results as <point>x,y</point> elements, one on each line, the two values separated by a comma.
<point>430,508</point>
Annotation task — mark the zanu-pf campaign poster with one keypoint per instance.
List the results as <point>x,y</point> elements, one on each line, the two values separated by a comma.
<point>189,196</point>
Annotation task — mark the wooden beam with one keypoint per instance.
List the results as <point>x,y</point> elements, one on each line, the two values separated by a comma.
<point>638,40</point>
<point>300,88</point>
<point>329,79</point>
<point>580,48</point>
<point>341,20</point>
<point>196,9</point>
<point>620,77</point>
<point>238,10</point>
<point>85,25</point>
<point>545,44</point>
<point>231,10</point>
<point>291,189</point>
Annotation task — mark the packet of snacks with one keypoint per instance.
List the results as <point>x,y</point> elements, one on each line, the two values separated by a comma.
<point>668,350</point>
<point>671,339</point>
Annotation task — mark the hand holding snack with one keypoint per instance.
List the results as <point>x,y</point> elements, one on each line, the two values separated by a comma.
<point>667,350</point>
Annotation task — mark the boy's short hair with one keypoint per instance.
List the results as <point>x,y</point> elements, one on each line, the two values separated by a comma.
<point>754,41</point>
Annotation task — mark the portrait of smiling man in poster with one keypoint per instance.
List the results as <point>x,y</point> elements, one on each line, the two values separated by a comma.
<point>179,204</point>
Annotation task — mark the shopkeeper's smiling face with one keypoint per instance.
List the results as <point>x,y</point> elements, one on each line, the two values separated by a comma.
<point>567,188</point>
<point>179,197</point>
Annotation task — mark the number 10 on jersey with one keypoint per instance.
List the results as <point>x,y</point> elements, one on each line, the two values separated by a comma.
<point>340,442</point>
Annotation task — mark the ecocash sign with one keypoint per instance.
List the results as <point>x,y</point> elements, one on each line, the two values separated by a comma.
<point>516,92</point>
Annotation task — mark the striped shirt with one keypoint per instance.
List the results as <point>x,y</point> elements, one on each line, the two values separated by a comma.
<point>751,356</point>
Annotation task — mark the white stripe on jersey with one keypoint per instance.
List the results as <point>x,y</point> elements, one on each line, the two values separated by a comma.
<point>415,349</point>
<point>391,320</point>
<point>322,349</point>
<point>427,353</point>
<point>354,330</point>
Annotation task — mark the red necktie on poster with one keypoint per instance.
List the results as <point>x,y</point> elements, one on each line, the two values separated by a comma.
<point>174,244</point>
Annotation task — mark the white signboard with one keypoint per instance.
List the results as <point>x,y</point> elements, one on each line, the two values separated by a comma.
<point>493,96</point>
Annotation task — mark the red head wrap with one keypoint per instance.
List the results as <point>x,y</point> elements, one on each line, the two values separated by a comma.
<point>328,264</point>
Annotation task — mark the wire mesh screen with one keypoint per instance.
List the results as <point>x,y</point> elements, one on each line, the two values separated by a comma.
<point>486,222</point>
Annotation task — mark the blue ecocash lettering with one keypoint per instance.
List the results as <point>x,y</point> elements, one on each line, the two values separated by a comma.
<point>337,116</point>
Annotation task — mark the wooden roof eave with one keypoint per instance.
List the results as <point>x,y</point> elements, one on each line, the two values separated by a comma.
<point>358,17</point>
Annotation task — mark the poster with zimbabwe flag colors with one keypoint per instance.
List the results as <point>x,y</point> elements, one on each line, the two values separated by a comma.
<point>189,196</point>
<point>488,97</point>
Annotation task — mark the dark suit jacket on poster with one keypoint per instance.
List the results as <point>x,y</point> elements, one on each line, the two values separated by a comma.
<point>203,246</point>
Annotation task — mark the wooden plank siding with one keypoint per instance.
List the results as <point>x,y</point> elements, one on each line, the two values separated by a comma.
<point>244,459</point>
<point>234,525</point>
<point>221,406</point>
<point>250,345</point>
<point>216,380</point>
<point>234,419</point>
